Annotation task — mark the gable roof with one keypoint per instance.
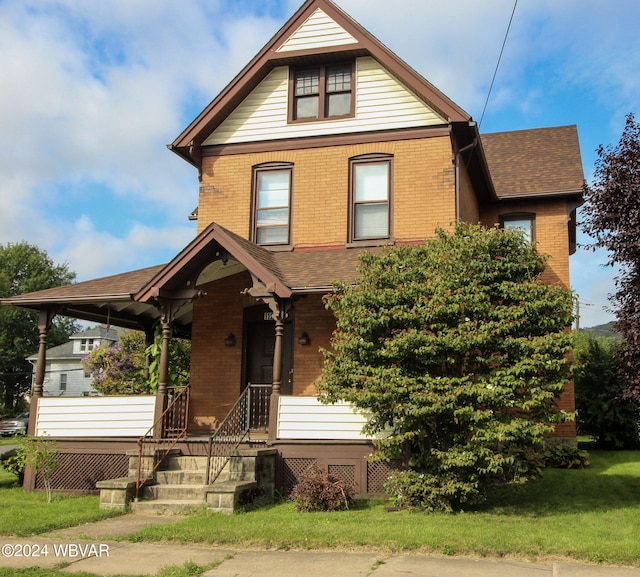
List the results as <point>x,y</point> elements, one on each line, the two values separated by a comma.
<point>129,299</point>
<point>535,162</point>
<point>346,39</point>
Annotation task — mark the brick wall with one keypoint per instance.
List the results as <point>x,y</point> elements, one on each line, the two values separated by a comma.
<point>423,189</point>
<point>551,232</point>
<point>216,369</point>
<point>310,317</point>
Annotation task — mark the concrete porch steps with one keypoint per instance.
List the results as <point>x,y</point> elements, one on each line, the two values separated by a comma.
<point>248,480</point>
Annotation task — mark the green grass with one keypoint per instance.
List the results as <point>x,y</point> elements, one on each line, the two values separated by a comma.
<point>589,515</point>
<point>28,513</point>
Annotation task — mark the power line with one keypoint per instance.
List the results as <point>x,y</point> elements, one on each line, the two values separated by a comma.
<point>495,72</point>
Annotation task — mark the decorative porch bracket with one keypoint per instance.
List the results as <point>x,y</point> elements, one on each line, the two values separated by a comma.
<point>280,309</point>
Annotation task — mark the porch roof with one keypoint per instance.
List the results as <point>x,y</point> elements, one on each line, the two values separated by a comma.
<point>130,299</point>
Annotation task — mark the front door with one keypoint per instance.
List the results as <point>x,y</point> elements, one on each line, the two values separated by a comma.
<point>260,339</point>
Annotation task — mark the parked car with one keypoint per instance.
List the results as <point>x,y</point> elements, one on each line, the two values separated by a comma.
<point>15,425</point>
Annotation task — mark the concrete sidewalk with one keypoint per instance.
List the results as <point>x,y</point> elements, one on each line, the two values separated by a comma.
<point>91,548</point>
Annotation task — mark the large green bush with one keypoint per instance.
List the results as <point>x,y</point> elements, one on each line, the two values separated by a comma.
<point>603,412</point>
<point>459,353</point>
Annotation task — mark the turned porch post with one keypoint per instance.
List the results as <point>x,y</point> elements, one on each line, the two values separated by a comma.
<point>45,320</point>
<point>163,376</point>
<point>280,311</point>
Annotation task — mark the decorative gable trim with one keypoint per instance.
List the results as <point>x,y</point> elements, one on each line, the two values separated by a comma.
<point>318,31</point>
<point>189,143</point>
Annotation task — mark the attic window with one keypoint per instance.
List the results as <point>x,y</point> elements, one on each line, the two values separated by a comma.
<point>321,92</point>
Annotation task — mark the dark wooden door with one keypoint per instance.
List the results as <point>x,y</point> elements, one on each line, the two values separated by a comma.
<point>261,340</point>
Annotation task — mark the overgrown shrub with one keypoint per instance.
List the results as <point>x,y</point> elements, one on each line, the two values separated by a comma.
<point>458,352</point>
<point>566,457</point>
<point>318,491</point>
<point>603,413</point>
<point>412,489</point>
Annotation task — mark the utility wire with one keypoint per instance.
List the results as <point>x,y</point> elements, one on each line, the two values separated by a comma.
<point>495,72</point>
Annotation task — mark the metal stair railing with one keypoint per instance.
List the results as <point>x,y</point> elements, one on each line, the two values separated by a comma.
<point>244,416</point>
<point>152,450</point>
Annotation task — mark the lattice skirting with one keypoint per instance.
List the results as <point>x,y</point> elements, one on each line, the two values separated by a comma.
<point>375,474</point>
<point>79,472</point>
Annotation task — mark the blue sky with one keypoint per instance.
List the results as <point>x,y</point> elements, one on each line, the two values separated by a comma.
<point>91,92</point>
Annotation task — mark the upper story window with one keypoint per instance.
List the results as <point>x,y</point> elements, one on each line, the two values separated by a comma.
<point>321,92</point>
<point>370,197</point>
<point>522,221</point>
<point>271,218</point>
<point>86,345</point>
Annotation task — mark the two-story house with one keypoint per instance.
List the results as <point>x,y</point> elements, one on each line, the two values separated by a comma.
<point>324,145</point>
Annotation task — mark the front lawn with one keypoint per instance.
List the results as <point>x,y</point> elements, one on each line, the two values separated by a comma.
<point>588,515</point>
<point>28,513</point>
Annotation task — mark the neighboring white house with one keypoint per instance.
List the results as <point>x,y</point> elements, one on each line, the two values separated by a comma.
<point>64,374</point>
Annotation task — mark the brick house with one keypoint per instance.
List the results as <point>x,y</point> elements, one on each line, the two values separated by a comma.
<point>324,145</point>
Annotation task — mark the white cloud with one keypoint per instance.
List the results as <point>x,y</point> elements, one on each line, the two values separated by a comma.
<point>92,92</point>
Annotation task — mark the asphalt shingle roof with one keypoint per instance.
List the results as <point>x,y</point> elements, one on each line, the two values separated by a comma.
<point>541,161</point>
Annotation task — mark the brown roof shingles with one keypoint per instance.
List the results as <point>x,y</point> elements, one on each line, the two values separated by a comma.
<point>541,161</point>
<point>115,287</point>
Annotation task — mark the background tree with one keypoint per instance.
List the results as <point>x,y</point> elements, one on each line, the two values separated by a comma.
<point>121,369</point>
<point>459,352</point>
<point>25,268</point>
<point>603,413</point>
<point>612,217</point>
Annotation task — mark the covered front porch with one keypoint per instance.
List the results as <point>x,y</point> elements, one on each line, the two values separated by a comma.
<point>257,323</point>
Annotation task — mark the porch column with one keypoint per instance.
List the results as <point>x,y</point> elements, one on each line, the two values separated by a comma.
<point>169,303</point>
<point>280,311</point>
<point>45,320</point>
<point>163,377</point>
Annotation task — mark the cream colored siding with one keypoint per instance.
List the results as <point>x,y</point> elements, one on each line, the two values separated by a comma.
<point>308,418</point>
<point>318,31</point>
<point>382,102</point>
<point>95,416</point>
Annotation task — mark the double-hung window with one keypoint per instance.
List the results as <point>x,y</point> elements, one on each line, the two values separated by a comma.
<point>321,92</point>
<point>370,197</point>
<point>272,204</point>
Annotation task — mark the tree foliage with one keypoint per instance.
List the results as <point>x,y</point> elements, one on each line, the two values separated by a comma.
<point>121,368</point>
<point>26,268</point>
<point>459,353</point>
<point>612,217</point>
<point>603,412</point>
